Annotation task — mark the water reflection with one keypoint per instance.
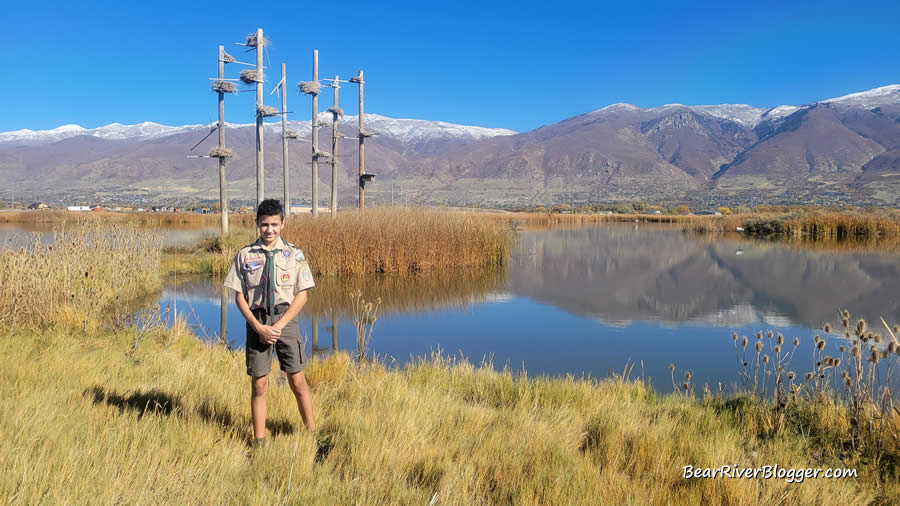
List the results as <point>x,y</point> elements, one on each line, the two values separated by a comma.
<point>589,300</point>
<point>624,274</point>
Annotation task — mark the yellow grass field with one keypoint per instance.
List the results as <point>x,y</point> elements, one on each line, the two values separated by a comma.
<point>85,422</point>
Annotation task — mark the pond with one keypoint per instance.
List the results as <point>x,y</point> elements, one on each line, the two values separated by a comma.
<point>591,301</point>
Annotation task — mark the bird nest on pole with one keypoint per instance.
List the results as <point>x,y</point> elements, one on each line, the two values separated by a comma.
<point>291,134</point>
<point>227,58</point>
<point>252,42</point>
<point>355,79</point>
<point>251,76</point>
<point>219,152</point>
<point>336,110</point>
<point>363,134</point>
<point>320,154</point>
<point>220,86</point>
<point>309,87</point>
<point>267,111</point>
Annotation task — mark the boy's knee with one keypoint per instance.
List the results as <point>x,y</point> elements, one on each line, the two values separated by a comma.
<point>260,385</point>
<point>298,383</point>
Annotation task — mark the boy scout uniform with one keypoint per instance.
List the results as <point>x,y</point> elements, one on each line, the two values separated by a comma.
<point>269,279</point>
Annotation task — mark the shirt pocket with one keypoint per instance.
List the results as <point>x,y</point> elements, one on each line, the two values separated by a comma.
<point>285,276</point>
<point>253,273</point>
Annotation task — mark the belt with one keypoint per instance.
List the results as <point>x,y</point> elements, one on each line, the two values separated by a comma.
<point>278,309</point>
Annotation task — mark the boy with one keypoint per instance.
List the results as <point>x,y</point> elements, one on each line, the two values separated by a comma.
<point>270,278</point>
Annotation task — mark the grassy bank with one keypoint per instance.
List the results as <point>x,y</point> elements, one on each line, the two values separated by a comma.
<point>382,240</point>
<point>83,421</point>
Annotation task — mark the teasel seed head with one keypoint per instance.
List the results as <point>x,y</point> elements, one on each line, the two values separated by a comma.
<point>816,339</point>
<point>759,334</point>
<point>759,346</point>
<point>892,347</point>
<point>877,338</point>
<point>770,334</point>
<point>765,359</point>
<point>846,323</point>
<point>777,349</point>
<point>745,363</point>
<point>821,344</point>
<point>841,348</point>
<point>844,375</point>
<point>836,362</point>
<point>896,329</point>
<point>780,339</point>
<point>827,328</point>
<point>685,386</point>
<point>847,335</point>
<point>671,367</point>
<point>791,375</point>
<point>855,350</point>
<point>734,336</point>
<point>687,375</point>
<point>744,342</point>
<point>796,341</point>
<point>845,314</point>
<point>874,357</point>
<point>847,381</point>
<point>885,354</point>
<point>809,376</point>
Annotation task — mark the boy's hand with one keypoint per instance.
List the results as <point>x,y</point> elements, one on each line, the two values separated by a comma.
<point>268,334</point>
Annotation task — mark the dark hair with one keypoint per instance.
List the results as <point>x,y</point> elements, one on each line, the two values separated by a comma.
<point>269,207</point>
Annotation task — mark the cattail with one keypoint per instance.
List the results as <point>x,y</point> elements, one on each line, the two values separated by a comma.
<point>780,339</point>
<point>671,367</point>
<point>759,346</point>
<point>821,344</point>
<point>770,334</point>
<point>765,359</point>
<point>744,342</point>
<point>796,342</point>
<point>827,328</point>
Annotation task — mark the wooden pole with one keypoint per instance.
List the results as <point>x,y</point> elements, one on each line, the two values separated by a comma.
<point>315,330</point>
<point>260,170</point>
<point>362,151</point>
<point>315,137</point>
<point>334,147</point>
<point>223,314</point>
<point>223,190</point>
<point>334,331</point>
<point>284,143</point>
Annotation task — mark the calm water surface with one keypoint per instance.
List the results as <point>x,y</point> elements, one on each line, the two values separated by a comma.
<point>588,301</point>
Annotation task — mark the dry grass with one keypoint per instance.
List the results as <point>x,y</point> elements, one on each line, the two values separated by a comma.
<point>143,219</point>
<point>80,279</point>
<point>83,422</point>
<point>398,240</point>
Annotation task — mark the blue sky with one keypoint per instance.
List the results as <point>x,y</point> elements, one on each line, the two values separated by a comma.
<point>515,65</point>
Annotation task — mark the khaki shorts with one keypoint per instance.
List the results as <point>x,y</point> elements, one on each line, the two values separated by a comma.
<point>289,347</point>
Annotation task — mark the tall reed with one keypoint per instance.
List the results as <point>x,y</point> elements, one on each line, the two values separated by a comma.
<point>79,278</point>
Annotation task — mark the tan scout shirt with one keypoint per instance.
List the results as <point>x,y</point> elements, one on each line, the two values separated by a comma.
<point>292,273</point>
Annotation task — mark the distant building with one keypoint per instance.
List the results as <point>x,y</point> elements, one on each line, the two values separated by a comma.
<point>78,208</point>
<point>38,205</point>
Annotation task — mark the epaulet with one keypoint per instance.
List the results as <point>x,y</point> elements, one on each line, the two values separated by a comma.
<point>292,246</point>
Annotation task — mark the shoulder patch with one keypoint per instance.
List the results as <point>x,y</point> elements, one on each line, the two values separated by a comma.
<point>299,256</point>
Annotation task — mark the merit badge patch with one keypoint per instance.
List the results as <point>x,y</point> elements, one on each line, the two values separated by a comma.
<point>286,253</point>
<point>299,256</point>
<point>252,266</point>
<point>285,277</point>
<point>307,275</point>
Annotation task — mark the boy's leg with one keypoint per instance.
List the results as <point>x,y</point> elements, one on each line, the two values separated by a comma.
<point>258,388</point>
<point>301,391</point>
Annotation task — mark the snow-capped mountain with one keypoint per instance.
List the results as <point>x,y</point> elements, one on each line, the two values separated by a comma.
<point>874,97</point>
<point>143,131</point>
<point>403,130</point>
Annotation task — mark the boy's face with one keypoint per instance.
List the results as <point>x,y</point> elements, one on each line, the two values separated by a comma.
<point>269,228</point>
